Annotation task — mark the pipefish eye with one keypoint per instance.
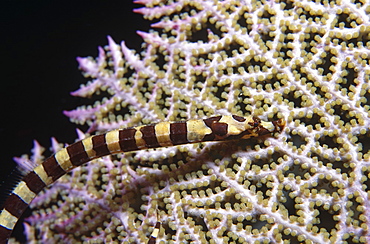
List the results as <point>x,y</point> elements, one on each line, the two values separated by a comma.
<point>255,123</point>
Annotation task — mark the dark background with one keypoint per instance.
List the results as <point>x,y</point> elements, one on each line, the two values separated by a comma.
<point>39,43</point>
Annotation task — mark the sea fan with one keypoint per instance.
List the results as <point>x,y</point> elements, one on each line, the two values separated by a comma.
<point>305,61</point>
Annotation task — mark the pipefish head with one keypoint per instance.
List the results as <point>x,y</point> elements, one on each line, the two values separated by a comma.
<point>269,127</point>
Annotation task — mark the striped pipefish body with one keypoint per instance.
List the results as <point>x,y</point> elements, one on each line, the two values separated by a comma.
<point>154,235</point>
<point>163,134</point>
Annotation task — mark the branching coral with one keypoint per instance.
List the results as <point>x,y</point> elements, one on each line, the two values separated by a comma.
<point>305,61</point>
